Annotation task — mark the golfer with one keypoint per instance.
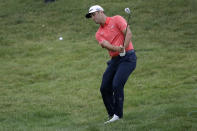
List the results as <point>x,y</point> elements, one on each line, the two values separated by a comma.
<point>112,36</point>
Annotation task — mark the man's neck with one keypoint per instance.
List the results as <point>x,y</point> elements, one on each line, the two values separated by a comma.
<point>103,20</point>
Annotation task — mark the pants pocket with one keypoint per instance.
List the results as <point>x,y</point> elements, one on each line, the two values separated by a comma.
<point>131,58</point>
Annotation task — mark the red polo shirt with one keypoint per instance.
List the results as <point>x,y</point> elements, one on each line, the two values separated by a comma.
<point>112,32</point>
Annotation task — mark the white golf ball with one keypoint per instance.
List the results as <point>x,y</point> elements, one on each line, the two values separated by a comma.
<point>61,38</point>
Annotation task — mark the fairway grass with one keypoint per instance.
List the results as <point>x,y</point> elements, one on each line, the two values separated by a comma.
<point>52,85</point>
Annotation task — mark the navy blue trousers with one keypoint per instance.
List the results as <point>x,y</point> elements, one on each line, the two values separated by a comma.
<point>113,81</point>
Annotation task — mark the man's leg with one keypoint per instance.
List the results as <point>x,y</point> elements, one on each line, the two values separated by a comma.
<point>107,90</point>
<point>123,72</point>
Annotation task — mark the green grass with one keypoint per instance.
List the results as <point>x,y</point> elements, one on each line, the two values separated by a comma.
<point>52,85</point>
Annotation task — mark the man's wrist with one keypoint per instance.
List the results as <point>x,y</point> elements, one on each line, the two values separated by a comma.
<point>117,48</point>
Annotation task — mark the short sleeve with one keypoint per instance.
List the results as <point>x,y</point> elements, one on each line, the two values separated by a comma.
<point>99,38</point>
<point>120,22</point>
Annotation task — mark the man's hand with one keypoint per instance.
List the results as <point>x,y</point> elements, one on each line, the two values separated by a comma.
<point>121,49</point>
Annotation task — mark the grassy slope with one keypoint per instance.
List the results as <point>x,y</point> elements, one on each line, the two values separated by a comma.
<point>47,84</point>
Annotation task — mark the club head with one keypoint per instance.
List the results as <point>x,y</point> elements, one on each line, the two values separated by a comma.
<point>127,10</point>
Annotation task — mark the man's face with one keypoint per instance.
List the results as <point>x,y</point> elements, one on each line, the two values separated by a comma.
<point>96,17</point>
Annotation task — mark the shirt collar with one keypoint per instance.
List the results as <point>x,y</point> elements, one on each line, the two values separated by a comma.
<point>107,21</point>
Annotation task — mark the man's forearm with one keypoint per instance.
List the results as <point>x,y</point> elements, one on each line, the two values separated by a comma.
<point>108,46</point>
<point>127,37</point>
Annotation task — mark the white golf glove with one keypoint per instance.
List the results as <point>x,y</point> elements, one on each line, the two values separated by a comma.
<point>122,53</point>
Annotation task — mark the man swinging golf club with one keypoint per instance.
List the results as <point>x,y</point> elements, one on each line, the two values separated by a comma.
<point>114,35</point>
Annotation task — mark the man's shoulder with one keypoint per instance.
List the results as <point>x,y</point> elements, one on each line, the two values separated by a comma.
<point>116,17</point>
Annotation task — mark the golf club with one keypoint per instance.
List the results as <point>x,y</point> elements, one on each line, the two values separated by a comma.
<point>127,10</point>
